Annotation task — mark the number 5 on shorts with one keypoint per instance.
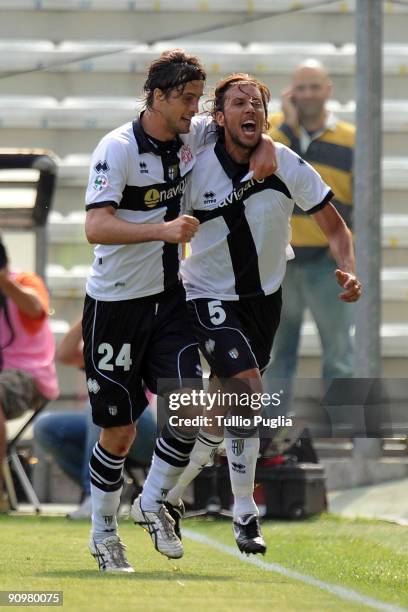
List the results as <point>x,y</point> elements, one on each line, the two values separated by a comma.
<point>217,313</point>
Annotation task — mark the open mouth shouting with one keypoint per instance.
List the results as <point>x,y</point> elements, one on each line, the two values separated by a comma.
<point>248,128</point>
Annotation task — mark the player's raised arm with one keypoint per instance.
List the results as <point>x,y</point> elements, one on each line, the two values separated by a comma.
<point>341,245</point>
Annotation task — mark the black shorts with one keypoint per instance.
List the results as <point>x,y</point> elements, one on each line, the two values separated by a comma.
<point>131,342</point>
<point>236,336</point>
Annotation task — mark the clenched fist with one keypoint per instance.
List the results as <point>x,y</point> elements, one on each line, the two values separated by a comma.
<point>181,229</point>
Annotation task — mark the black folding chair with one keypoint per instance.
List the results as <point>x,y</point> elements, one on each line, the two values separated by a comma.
<point>13,459</point>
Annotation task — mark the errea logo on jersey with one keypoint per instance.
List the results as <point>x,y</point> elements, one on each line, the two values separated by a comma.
<point>209,197</point>
<point>92,385</point>
<point>155,196</point>
<point>102,166</point>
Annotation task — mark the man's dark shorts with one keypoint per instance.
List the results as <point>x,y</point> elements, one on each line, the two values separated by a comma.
<point>236,336</point>
<point>132,343</point>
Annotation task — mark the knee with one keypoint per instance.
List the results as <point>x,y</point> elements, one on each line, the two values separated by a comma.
<point>118,440</point>
<point>43,431</point>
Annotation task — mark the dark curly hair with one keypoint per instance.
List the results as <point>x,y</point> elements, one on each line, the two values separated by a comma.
<point>172,70</point>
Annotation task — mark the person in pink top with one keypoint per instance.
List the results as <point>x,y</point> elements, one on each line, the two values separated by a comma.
<point>28,378</point>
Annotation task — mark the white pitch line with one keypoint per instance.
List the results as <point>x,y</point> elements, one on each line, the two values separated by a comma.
<point>334,589</point>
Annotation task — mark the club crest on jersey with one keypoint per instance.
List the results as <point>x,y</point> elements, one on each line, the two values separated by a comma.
<point>186,154</point>
<point>113,410</point>
<point>237,446</point>
<point>173,172</point>
<point>233,353</point>
<point>100,183</point>
<point>101,166</point>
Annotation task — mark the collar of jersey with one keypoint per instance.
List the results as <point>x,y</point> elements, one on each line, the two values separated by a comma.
<point>147,145</point>
<point>231,168</point>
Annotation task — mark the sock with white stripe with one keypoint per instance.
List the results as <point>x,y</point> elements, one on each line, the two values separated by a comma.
<point>171,455</point>
<point>106,487</point>
<point>242,456</point>
<point>202,453</point>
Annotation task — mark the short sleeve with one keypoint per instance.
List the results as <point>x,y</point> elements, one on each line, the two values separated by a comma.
<point>33,281</point>
<point>108,173</point>
<point>203,131</point>
<point>306,186</point>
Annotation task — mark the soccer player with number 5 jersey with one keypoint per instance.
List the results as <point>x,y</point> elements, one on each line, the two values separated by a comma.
<point>234,273</point>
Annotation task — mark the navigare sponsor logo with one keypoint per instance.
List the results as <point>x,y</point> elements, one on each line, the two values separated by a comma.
<point>155,196</point>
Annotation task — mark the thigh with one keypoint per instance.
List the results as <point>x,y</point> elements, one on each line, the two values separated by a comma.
<point>116,335</point>
<point>18,393</point>
<point>54,428</point>
<point>222,337</point>
<point>261,318</point>
<point>172,359</point>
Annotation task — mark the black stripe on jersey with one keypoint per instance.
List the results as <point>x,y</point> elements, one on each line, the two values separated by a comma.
<point>170,256</point>
<point>154,196</point>
<point>101,205</point>
<point>293,138</point>
<point>243,253</point>
<point>322,204</point>
<point>344,210</point>
<point>330,154</point>
<point>242,192</point>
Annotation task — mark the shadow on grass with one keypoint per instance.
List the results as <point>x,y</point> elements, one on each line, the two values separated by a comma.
<point>168,575</point>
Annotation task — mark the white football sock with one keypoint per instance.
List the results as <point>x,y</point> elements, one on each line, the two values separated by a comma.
<point>106,487</point>
<point>242,456</point>
<point>202,453</point>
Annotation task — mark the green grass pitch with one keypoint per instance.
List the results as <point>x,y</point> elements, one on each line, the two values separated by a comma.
<point>370,557</point>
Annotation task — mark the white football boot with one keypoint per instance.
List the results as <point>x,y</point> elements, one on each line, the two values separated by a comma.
<point>110,555</point>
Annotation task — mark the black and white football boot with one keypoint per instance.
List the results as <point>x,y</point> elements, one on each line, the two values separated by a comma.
<point>176,512</point>
<point>248,534</point>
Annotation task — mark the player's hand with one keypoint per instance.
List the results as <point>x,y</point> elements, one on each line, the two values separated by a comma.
<point>289,109</point>
<point>263,160</point>
<point>181,229</point>
<point>351,284</point>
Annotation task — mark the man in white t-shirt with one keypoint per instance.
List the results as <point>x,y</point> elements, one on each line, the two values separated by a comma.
<point>234,273</point>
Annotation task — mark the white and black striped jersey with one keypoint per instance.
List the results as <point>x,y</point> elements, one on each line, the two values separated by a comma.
<point>145,181</point>
<point>242,245</point>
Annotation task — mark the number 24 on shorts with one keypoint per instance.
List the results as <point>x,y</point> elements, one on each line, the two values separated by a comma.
<point>123,359</point>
